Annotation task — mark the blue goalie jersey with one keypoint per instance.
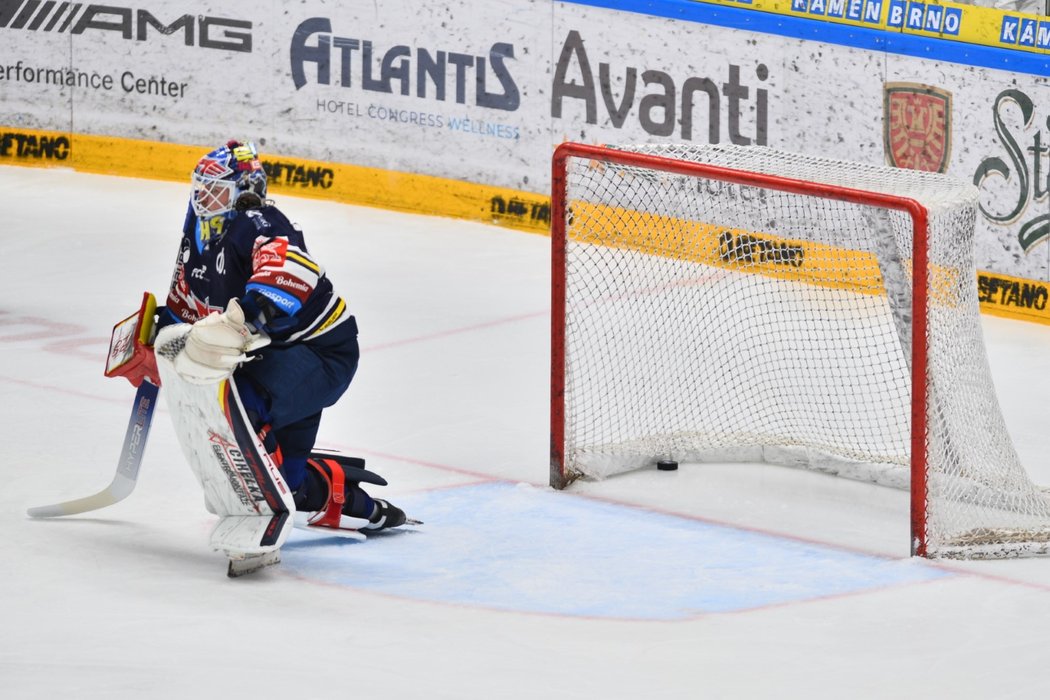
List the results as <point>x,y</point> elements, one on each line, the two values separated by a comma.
<point>260,258</point>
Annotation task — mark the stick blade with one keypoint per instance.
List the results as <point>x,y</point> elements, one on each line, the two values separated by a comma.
<point>127,468</point>
<point>117,491</point>
<point>79,505</point>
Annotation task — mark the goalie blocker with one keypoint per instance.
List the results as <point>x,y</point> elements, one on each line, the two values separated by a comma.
<point>130,356</point>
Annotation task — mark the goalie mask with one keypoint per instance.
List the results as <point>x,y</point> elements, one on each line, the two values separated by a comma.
<point>230,178</point>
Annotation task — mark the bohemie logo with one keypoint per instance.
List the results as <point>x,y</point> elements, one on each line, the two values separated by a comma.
<point>917,126</point>
<point>1025,180</point>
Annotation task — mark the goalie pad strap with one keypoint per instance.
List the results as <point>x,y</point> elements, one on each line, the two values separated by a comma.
<point>251,454</point>
<point>333,510</point>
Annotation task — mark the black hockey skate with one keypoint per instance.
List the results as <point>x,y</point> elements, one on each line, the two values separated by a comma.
<point>332,497</point>
<point>385,516</point>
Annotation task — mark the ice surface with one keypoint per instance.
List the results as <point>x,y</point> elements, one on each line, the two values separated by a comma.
<point>735,581</point>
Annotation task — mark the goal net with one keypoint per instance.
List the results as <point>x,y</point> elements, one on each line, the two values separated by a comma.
<point>715,303</point>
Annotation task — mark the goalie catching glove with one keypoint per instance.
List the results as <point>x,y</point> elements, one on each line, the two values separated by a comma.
<point>216,345</point>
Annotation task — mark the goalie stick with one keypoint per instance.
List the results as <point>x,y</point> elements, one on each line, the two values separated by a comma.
<point>127,468</point>
<point>130,356</point>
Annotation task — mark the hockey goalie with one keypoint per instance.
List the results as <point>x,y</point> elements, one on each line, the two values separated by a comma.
<point>252,344</point>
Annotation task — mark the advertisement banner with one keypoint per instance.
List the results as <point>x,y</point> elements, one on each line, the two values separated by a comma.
<point>455,108</point>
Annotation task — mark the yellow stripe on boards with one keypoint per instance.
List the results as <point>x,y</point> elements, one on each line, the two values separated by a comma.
<point>809,262</point>
<point>336,182</point>
<point>422,194</point>
<point>1013,297</point>
<point>719,246</point>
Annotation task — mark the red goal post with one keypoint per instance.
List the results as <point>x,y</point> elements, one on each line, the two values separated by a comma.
<point>621,218</point>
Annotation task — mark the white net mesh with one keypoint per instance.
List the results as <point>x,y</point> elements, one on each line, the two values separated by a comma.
<point>714,321</point>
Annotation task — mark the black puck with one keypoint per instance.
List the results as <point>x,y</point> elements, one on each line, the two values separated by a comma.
<point>666,465</point>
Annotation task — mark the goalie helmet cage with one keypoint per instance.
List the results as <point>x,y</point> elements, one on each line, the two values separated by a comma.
<point>723,303</point>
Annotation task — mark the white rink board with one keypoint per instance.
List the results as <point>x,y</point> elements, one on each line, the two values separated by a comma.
<point>357,83</point>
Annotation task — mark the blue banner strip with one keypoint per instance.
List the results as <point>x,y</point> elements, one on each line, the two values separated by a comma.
<point>831,33</point>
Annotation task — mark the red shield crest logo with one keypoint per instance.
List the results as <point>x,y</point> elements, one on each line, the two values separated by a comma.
<point>917,126</point>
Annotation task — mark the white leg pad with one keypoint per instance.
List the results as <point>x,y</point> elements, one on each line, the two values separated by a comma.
<point>241,482</point>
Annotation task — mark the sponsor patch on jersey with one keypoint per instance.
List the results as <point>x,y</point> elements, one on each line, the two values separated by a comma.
<point>209,229</point>
<point>269,252</point>
<point>283,283</point>
<point>260,221</point>
<point>285,302</point>
<point>297,287</point>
